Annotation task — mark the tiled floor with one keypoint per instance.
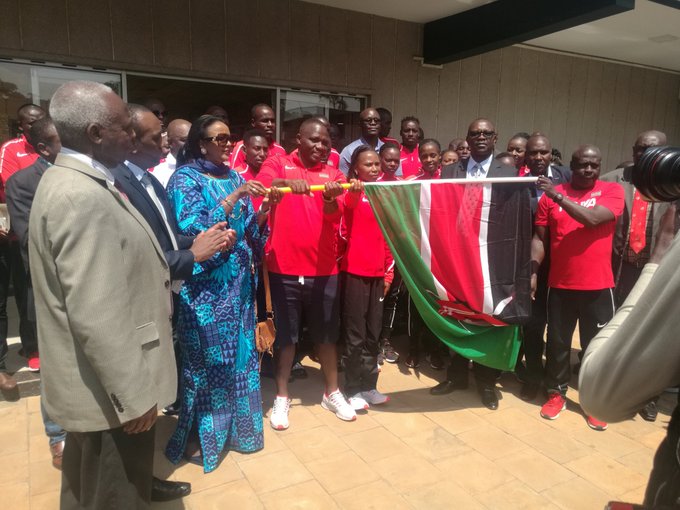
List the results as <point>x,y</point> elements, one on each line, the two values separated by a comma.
<point>418,451</point>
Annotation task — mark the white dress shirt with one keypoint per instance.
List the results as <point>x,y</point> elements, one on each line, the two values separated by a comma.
<point>90,162</point>
<point>478,169</point>
<point>163,171</point>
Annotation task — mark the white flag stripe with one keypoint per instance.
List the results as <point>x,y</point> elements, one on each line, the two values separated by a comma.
<point>489,180</point>
<point>425,248</point>
<point>487,307</point>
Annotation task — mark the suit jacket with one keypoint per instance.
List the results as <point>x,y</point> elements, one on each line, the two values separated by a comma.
<point>181,261</point>
<point>103,302</point>
<point>20,191</point>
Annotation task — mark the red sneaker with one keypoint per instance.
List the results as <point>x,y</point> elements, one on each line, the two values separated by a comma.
<point>596,424</point>
<point>34,362</point>
<point>553,407</point>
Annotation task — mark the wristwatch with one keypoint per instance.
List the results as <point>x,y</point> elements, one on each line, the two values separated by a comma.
<point>558,198</point>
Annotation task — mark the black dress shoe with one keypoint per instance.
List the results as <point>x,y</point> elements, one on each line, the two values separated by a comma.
<point>529,391</point>
<point>165,490</point>
<point>489,398</point>
<point>446,387</point>
<point>649,412</point>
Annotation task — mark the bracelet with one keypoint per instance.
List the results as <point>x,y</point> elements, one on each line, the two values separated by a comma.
<point>327,200</point>
<point>558,198</point>
<point>229,202</point>
<point>263,213</point>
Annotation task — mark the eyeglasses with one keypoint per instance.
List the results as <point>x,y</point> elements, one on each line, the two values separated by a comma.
<point>222,139</point>
<point>371,120</point>
<point>478,134</point>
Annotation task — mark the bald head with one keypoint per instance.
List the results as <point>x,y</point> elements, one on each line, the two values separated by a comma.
<point>314,143</point>
<point>585,166</point>
<point>178,131</point>
<point>90,118</point>
<point>645,140</point>
<point>481,137</point>
<point>369,120</point>
<point>27,115</point>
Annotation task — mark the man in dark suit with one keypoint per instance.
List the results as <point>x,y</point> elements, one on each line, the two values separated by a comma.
<point>538,158</point>
<point>481,137</point>
<point>147,195</point>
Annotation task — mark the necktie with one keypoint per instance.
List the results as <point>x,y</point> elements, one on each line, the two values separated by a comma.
<point>478,170</point>
<point>638,223</point>
<point>148,185</point>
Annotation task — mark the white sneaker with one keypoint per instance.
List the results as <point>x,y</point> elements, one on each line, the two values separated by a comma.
<point>336,403</point>
<point>279,417</point>
<point>358,403</point>
<point>374,397</point>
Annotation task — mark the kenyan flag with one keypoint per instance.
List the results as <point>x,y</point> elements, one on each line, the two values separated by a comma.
<point>463,250</point>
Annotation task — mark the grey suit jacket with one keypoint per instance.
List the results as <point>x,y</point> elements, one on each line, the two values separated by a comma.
<point>103,303</point>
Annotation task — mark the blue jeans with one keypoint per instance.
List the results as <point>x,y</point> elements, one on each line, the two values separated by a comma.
<point>54,432</point>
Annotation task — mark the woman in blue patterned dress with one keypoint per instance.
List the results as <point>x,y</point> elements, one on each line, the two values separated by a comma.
<point>220,384</point>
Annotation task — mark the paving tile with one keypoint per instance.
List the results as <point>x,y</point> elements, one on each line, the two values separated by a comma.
<point>421,401</point>
<point>404,424</point>
<point>19,471</point>
<point>607,442</point>
<point>653,439</point>
<point>313,444</point>
<point>535,469</point>
<point>635,428</point>
<point>375,444</point>
<point>435,444</point>
<point>607,474</point>
<point>44,477</point>
<point>516,422</point>
<point>569,421</point>
<point>491,442</point>
<point>33,405</point>
<point>13,433</point>
<point>45,501</point>
<point>342,428</point>
<point>457,420</point>
<point>15,495</point>
<point>636,496</point>
<point>238,494</point>
<point>576,494</point>
<point>39,448</point>
<point>227,471</point>
<point>35,425</point>
<point>474,472</point>
<point>373,496</point>
<point>341,472</point>
<point>407,471</point>
<point>516,495</point>
<point>272,443</point>
<point>300,418</point>
<point>304,496</point>
<point>275,471</point>
<point>640,461</point>
<point>442,495</point>
<point>557,445</point>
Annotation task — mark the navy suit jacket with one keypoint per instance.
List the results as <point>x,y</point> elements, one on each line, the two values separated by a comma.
<point>181,261</point>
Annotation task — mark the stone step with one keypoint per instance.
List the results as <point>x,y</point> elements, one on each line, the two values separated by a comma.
<point>28,385</point>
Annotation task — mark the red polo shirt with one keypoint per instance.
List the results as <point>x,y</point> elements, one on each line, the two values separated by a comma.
<point>303,240</point>
<point>15,155</point>
<point>422,176</point>
<point>238,155</point>
<point>581,257</point>
<point>387,177</point>
<point>410,162</point>
<point>363,248</point>
<point>246,172</point>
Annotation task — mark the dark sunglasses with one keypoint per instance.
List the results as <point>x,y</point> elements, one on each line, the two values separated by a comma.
<point>477,134</point>
<point>221,139</point>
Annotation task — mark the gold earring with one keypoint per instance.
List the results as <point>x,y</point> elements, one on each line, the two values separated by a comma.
<point>203,151</point>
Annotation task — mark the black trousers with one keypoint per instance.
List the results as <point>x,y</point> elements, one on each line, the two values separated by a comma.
<point>485,377</point>
<point>390,306</point>
<point>12,269</point>
<point>362,310</point>
<point>593,309</point>
<point>107,470</point>
<point>663,488</point>
<point>627,278</point>
<point>533,345</point>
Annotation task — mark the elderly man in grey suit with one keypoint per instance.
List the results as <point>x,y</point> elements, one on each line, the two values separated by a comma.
<point>103,304</point>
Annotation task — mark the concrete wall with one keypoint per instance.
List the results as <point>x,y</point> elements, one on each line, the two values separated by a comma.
<point>296,44</point>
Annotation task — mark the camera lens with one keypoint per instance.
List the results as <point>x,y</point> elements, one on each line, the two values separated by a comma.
<point>657,174</point>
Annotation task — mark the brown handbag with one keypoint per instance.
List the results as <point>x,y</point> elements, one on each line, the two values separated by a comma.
<point>265,334</point>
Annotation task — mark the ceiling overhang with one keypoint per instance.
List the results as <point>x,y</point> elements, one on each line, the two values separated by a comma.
<point>506,22</point>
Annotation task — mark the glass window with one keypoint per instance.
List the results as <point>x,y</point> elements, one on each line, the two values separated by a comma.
<point>29,83</point>
<point>341,110</point>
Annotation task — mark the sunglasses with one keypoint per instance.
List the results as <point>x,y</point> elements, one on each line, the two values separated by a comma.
<point>221,139</point>
<point>478,134</point>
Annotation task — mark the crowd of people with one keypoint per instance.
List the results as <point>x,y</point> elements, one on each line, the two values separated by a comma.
<point>127,233</point>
